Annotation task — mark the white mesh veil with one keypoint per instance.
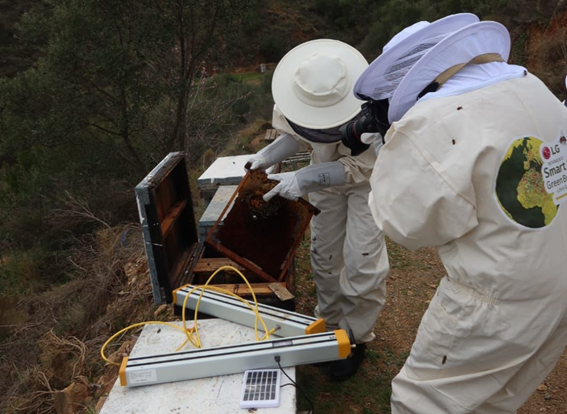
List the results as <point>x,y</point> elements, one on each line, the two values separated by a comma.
<point>382,77</point>
<point>386,84</point>
<point>458,48</point>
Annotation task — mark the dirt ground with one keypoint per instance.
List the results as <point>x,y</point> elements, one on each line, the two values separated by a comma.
<point>411,284</point>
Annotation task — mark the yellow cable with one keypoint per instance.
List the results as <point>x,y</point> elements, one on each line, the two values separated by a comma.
<point>224,291</point>
<point>105,359</point>
<point>195,330</point>
<point>203,288</point>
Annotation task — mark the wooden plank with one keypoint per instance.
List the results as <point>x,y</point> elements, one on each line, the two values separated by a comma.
<point>241,289</point>
<point>281,292</point>
<point>178,268</point>
<point>169,221</point>
<point>257,270</point>
<point>271,135</point>
<point>210,265</point>
<point>164,197</point>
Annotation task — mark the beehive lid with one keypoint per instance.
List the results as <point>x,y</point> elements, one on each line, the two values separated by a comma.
<point>168,225</point>
<point>224,171</point>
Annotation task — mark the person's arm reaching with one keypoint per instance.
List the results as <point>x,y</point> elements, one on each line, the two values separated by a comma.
<point>283,147</point>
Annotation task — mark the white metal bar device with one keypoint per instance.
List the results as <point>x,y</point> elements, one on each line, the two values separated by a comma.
<point>220,305</point>
<point>201,363</point>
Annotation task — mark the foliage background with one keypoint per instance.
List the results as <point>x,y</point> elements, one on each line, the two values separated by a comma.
<point>93,93</point>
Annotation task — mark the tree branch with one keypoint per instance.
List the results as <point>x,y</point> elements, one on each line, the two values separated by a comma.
<point>108,131</point>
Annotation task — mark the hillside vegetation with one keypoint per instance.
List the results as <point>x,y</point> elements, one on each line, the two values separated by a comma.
<point>93,93</point>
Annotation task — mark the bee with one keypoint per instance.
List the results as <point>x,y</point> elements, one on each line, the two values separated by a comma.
<point>563,140</point>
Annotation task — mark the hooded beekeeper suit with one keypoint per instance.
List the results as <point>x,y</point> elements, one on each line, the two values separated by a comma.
<point>475,164</point>
<point>312,89</point>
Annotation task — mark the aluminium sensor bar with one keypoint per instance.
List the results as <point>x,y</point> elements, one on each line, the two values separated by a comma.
<point>226,307</point>
<point>209,362</point>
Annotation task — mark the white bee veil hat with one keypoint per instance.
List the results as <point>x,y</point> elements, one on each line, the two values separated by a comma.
<point>479,42</point>
<point>401,53</point>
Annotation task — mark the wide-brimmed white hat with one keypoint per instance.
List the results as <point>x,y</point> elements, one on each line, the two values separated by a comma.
<point>312,85</point>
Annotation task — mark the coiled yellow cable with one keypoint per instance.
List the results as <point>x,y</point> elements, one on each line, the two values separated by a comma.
<point>206,286</point>
<point>195,330</point>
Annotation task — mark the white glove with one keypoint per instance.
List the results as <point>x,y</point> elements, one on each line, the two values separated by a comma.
<point>369,137</point>
<point>312,178</point>
<point>258,162</point>
<point>283,147</point>
<point>287,188</point>
<point>373,138</point>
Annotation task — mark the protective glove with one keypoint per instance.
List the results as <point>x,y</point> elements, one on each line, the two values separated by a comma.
<point>293,185</point>
<point>258,162</point>
<point>352,138</point>
<point>283,147</point>
<point>374,139</point>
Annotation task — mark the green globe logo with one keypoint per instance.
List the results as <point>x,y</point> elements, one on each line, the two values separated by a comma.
<point>520,188</point>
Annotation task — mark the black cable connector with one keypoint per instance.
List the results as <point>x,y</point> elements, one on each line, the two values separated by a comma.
<point>278,359</point>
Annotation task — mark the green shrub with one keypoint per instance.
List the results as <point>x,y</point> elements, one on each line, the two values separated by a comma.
<point>252,20</point>
<point>272,48</point>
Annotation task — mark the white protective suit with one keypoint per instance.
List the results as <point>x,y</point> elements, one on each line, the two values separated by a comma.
<point>348,252</point>
<point>464,173</point>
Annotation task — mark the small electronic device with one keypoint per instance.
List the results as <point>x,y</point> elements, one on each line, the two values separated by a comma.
<point>226,307</point>
<point>224,360</point>
<point>260,389</point>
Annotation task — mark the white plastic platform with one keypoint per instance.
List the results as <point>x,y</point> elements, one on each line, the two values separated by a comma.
<point>225,171</point>
<point>216,395</point>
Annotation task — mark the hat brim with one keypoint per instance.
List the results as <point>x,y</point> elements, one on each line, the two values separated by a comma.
<point>366,86</point>
<point>460,47</point>
<point>306,115</point>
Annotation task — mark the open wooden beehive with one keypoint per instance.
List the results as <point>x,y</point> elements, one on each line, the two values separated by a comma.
<point>258,238</point>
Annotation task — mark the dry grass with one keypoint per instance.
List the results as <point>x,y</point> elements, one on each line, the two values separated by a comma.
<point>546,52</point>
<point>31,394</point>
<point>61,360</point>
<point>57,339</point>
<point>550,60</point>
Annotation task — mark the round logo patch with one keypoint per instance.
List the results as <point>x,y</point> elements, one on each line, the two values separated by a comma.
<point>520,188</point>
<point>546,153</point>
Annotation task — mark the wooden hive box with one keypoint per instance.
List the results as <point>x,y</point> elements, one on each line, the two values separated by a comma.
<point>177,257</point>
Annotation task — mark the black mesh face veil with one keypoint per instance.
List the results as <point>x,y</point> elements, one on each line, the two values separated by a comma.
<point>320,136</point>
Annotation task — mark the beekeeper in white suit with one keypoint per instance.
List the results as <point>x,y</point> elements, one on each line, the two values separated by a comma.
<point>474,164</point>
<point>312,89</point>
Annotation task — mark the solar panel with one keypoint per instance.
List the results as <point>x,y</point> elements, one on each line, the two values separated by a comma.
<point>260,389</point>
